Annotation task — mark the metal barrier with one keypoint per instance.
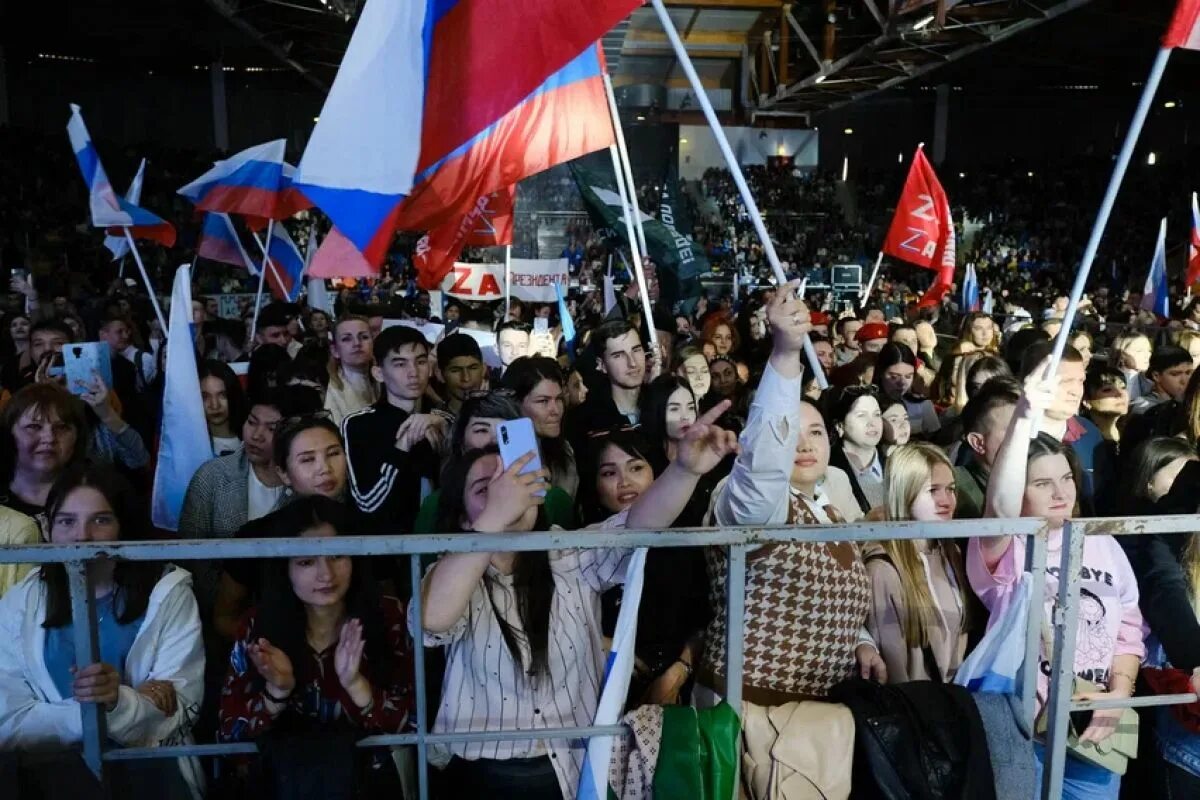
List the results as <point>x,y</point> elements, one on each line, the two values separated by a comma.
<point>738,542</point>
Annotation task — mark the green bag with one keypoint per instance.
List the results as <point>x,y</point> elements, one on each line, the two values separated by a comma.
<point>698,755</point>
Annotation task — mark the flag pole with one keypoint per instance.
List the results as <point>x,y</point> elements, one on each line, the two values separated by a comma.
<point>685,62</point>
<point>162,320</point>
<point>626,168</point>
<point>636,267</point>
<point>625,212</point>
<point>866,292</point>
<point>262,276</point>
<point>507,280</point>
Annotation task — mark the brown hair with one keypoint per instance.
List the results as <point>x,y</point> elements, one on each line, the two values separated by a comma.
<point>335,366</point>
<point>44,399</point>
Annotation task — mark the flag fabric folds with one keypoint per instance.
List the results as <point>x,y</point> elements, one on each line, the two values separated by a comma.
<point>425,98</point>
<point>1155,295</point>
<point>337,257</point>
<point>922,232</point>
<point>1193,265</point>
<point>593,780</point>
<point>119,245</point>
<point>1184,30</point>
<point>970,290</point>
<point>107,209</point>
<point>678,278</point>
<point>286,265</point>
<point>184,442</point>
<point>256,182</point>
<point>219,241</point>
<point>487,223</point>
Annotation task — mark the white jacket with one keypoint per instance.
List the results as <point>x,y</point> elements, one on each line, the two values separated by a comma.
<point>168,647</point>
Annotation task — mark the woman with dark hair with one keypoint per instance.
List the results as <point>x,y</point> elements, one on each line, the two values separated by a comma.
<point>527,625</point>
<point>856,418</point>
<point>322,651</point>
<point>149,679</point>
<point>225,406</point>
<point>895,369</point>
<point>1154,466</point>
<point>537,385</point>
<point>264,363</point>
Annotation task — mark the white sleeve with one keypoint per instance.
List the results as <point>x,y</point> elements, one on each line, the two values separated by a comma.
<point>756,492</point>
<point>178,658</point>
<point>26,720</point>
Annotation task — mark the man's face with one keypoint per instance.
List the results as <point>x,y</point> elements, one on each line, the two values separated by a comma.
<point>1070,391</point>
<point>986,444</point>
<point>43,342</point>
<point>452,313</point>
<point>624,360</point>
<point>849,331</point>
<point>1173,381</point>
<point>512,344</point>
<point>274,334</point>
<point>824,352</point>
<point>212,308</point>
<point>198,312</point>
<point>405,372</point>
<point>462,375</point>
<point>116,333</point>
<point>873,345</point>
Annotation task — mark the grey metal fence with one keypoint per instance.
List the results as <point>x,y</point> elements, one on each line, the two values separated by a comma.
<point>738,542</point>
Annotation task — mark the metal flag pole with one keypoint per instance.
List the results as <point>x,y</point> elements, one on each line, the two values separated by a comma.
<point>866,292</point>
<point>626,168</point>
<point>162,320</point>
<point>262,276</point>
<point>507,280</point>
<point>685,61</point>
<point>636,266</point>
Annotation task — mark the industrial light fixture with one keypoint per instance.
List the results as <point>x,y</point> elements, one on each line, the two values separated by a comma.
<point>922,23</point>
<point>849,131</point>
<point>820,78</point>
<point>1152,159</point>
<point>641,118</point>
<point>845,168</point>
<point>683,141</point>
<point>316,119</point>
<point>1030,174</point>
<point>1170,104</point>
<point>899,158</point>
<point>962,174</point>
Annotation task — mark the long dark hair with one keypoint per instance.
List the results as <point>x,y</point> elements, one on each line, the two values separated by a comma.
<point>493,405</point>
<point>891,354</point>
<point>134,580</point>
<point>630,440</point>
<point>235,396</point>
<point>533,582</point>
<point>522,377</point>
<point>654,401</point>
<point>281,617</point>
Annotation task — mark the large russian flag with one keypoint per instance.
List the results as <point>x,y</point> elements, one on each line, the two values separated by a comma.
<point>286,264</point>
<point>107,209</point>
<point>219,242</point>
<point>419,84</point>
<point>256,182</point>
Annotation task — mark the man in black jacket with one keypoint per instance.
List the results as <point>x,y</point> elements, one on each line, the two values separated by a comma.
<point>391,446</point>
<point>621,358</point>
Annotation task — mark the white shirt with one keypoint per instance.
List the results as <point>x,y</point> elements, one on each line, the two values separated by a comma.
<point>148,369</point>
<point>224,445</point>
<point>263,498</point>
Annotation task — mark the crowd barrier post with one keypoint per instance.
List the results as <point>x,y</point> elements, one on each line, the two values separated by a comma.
<point>417,603</point>
<point>87,651</point>
<point>1065,620</point>
<point>1035,565</point>
<point>735,611</point>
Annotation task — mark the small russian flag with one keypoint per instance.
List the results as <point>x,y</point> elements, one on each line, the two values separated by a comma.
<point>1155,296</point>
<point>219,242</point>
<point>256,182</point>
<point>286,271</point>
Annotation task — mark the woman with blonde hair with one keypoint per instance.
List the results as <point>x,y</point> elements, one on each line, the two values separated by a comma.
<point>350,385</point>
<point>918,612</point>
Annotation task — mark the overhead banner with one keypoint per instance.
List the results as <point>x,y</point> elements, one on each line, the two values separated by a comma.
<point>475,282</point>
<point>533,280</point>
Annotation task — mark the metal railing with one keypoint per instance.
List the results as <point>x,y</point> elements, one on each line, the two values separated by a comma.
<point>738,541</point>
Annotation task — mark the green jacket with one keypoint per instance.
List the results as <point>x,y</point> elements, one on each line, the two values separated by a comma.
<point>970,488</point>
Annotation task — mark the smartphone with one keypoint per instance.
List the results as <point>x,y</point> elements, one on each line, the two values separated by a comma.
<point>516,438</point>
<point>541,325</point>
<point>81,359</point>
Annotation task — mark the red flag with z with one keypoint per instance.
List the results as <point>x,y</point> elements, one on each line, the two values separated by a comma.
<point>922,231</point>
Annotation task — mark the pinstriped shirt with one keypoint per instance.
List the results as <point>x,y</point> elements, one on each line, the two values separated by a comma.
<point>484,689</point>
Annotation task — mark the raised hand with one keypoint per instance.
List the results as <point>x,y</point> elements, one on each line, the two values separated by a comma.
<point>274,666</point>
<point>1040,387</point>
<point>511,495</point>
<point>704,445</point>
<point>348,657</point>
<point>789,319</point>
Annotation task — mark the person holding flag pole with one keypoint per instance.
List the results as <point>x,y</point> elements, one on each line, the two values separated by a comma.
<point>760,227</point>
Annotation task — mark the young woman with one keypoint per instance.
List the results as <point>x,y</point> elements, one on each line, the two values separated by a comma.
<point>149,678</point>
<point>719,333</point>
<point>977,334</point>
<point>1039,478</point>
<point>537,385</point>
<point>918,614</point>
<point>895,369</point>
<point>322,650</point>
<point>526,626</point>
<point>350,385</point>
<point>675,608</point>
<point>897,430</point>
<point>1155,465</point>
<point>858,422</point>
<point>225,406</point>
<point>692,366</point>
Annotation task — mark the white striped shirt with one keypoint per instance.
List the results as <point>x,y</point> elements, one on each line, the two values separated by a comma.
<point>485,690</point>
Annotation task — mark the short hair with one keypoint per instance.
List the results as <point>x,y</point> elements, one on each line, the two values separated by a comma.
<point>1037,352</point>
<point>612,329</point>
<point>514,325</point>
<point>274,315</point>
<point>1018,344</point>
<point>1166,356</point>
<point>839,326</point>
<point>392,339</point>
<point>687,351</point>
<point>53,325</point>
<point>457,345</point>
<point>1102,375</point>
<point>994,393</point>
<point>43,398</point>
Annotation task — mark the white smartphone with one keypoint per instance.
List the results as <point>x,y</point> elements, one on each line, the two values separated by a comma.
<point>541,325</point>
<point>516,438</point>
<point>81,359</point>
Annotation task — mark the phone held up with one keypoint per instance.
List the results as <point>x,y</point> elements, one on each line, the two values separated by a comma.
<point>517,438</point>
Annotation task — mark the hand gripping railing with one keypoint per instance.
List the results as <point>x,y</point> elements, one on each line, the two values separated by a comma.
<point>738,542</point>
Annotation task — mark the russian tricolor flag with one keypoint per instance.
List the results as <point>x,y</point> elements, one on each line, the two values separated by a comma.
<point>970,290</point>
<point>1185,26</point>
<point>286,271</point>
<point>1193,265</point>
<point>428,86</point>
<point>119,245</point>
<point>107,209</point>
<point>256,182</point>
<point>1155,296</point>
<point>219,242</point>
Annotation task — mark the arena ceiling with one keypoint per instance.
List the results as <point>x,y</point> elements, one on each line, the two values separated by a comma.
<point>788,59</point>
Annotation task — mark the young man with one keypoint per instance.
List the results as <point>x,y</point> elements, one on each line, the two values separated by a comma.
<point>460,367</point>
<point>847,347</point>
<point>512,341</point>
<point>985,421</point>
<point>621,357</point>
<point>1169,371</point>
<point>273,321</point>
<point>391,446</point>
<point>872,336</point>
<point>115,331</point>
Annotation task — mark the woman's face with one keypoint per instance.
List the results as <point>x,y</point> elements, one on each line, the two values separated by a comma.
<point>621,479</point>
<point>1165,476</point>
<point>896,427</point>
<point>936,499</point>
<point>1049,490</point>
<point>316,464</point>
<point>84,516</point>
<point>863,424</point>
<point>216,403</point>
<point>576,390</point>
<point>695,371</point>
<point>352,344</point>
<point>480,432</point>
<point>981,332</point>
<point>545,406</point>
<point>722,339</point>
<point>724,378</point>
<point>681,412</point>
<point>475,494</point>
<point>320,580</point>
<point>18,329</point>
<point>812,449</point>
<point>710,352</point>
<point>44,442</point>
<point>898,379</point>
